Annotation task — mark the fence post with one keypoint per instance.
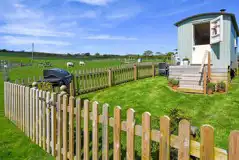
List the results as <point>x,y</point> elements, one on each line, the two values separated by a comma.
<point>110,77</point>
<point>135,72</point>
<point>59,125</point>
<point>153,70</point>
<point>65,126</point>
<point>72,87</point>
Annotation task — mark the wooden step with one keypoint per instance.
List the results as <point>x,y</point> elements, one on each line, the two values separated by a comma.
<point>186,90</point>
<point>191,75</point>
<point>190,82</point>
<point>188,86</point>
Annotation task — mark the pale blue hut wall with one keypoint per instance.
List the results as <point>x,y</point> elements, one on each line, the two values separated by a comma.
<point>233,36</point>
<point>221,51</point>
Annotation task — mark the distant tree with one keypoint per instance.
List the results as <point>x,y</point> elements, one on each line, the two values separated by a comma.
<point>87,54</point>
<point>169,54</point>
<point>97,54</point>
<point>148,53</point>
<point>158,53</point>
<point>3,50</point>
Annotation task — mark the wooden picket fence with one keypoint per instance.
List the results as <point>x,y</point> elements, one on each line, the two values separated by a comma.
<point>62,126</point>
<point>98,78</point>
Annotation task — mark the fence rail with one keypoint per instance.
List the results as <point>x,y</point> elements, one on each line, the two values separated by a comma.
<point>68,128</point>
<point>95,79</point>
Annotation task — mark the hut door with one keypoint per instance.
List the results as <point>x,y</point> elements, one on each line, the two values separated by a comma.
<point>216,30</point>
<point>201,38</point>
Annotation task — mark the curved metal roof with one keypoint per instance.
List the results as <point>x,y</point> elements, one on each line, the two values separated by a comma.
<point>209,14</point>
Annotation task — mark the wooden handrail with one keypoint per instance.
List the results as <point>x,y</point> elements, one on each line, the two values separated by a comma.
<point>203,62</point>
<point>205,82</point>
<point>209,66</point>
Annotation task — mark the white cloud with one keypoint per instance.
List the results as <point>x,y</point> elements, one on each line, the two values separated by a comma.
<point>13,40</point>
<point>109,37</point>
<point>30,22</point>
<point>32,31</point>
<point>94,2</point>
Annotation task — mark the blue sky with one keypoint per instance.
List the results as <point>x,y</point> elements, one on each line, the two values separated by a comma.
<point>104,26</point>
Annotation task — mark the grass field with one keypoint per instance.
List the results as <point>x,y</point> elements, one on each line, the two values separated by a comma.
<point>152,95</point>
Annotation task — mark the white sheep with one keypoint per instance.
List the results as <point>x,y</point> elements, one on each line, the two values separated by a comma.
<point>81,63</point>
<point>70,64</point>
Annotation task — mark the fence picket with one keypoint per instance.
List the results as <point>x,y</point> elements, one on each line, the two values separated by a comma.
<point>78,129</point>
<point>23,108</point>
<point>95,131</point>
<point>117,133</point>
<point>184,136</point>
<point>130,134</point>
<point>207,143</point>
<point>105,134</point>
<point>5,100</point>
<point>31,114</point>
<point>164,152</point>
<point>44,120</point>
<point>233,146</point>
<point>48,125</point>
<point>40,118</point>
<point>53,124</point>
<point>18,107</point>
<point>59,126</point>
<point>146,136</point>
<point>34,116</point>
<point>27,95</point>
<point>37,116</point>
<point>86,130</point>
<point>71,127</point>
<point>65,126</point>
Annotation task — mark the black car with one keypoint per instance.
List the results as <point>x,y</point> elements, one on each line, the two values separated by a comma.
<point>57,77</point>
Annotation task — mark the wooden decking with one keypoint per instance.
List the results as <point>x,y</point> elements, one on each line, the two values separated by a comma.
<point>191,79</point>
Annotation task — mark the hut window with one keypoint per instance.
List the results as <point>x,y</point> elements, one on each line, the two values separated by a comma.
<point>202,34</point>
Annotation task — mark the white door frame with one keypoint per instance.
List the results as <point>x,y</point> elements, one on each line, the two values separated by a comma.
<point>193,42</point>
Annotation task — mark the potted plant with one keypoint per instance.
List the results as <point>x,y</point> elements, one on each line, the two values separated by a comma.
<point>211,88</point>
<point>170,82</point>
<point>175,83</point>
<point>221,87</point>
<point>186,61</point>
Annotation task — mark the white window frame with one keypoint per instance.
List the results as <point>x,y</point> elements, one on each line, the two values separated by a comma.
<point>216,24</point>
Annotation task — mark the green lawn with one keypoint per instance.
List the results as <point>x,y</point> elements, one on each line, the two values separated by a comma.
<point>152,95</point>
<point>13,143</point>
